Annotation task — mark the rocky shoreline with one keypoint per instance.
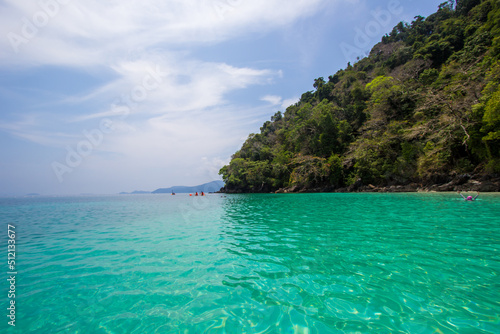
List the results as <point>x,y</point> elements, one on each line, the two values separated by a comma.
<point>464,182</point>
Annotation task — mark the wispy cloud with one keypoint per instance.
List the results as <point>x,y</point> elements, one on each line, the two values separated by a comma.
<point>185,86</point>
<point>272,99</point>
<point>288,102</point>
<point>86,33</point>
<point>30,128</point>
<point>275,100</point>
<point>129,38</point>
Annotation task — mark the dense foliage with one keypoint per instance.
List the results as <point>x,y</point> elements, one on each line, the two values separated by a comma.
<point>424,106</point>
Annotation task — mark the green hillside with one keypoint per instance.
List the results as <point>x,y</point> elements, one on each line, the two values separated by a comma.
<point>422,109</point>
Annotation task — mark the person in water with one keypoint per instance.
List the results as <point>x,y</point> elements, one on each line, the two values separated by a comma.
<point>468,198</point>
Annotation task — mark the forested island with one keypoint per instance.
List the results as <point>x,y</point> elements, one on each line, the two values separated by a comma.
<point>421,112</point>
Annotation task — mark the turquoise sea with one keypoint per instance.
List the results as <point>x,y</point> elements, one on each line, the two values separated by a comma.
<point>288,263</point>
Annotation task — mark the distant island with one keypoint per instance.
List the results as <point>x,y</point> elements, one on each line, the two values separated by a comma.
<point>209,187</point>
<point>421,112</point>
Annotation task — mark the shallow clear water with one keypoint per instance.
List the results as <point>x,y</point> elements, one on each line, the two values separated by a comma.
<point>291,263</point>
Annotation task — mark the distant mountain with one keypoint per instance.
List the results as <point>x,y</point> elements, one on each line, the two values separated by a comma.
<point>136,192</point>
<point>207,188</point>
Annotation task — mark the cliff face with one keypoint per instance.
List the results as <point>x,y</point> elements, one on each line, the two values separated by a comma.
<point>421,112</point>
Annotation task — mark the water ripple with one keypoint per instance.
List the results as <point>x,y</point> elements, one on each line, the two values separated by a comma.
<point>309,263</point>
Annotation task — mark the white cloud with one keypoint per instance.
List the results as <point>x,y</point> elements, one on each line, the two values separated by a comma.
<point>31,128</point>
<point>272,99</point>
<point>130,38</point>
<point>86,33</point>
<point>288,102</point>
<point>177,90</point>
<point>173,86</point>
<point>275,100</point>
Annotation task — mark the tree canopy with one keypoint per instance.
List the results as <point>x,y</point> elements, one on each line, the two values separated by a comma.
<point>425,104</point>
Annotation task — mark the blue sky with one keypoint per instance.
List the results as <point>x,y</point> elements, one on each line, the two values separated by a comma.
<point>103,97</point>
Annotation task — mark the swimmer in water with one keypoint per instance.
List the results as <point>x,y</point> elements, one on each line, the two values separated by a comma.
<point>468,198</point>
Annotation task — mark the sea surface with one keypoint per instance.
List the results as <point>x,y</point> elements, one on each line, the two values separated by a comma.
<point>271,263</point>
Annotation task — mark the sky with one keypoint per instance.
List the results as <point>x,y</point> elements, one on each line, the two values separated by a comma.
<point>102,97</point>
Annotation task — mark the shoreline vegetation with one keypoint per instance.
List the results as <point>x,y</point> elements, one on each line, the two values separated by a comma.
<point>465,183</point>
<point>420,113</point>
